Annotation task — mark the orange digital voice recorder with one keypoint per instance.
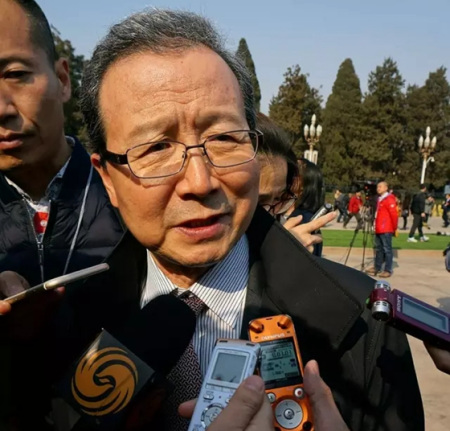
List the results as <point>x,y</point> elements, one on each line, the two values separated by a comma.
<point>281,368</point>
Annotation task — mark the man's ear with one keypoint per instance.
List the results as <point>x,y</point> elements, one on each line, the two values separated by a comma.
<point>96,160</point>
<point>63,74</point>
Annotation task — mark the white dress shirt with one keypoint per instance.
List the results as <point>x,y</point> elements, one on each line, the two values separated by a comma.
<point>222,288</point>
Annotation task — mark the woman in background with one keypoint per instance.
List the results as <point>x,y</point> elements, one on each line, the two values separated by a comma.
<point>280,185</point>
<point>311,195</point>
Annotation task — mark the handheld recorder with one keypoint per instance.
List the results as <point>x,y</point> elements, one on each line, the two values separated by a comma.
<point>231,363</point>
<point>281,369</point>
<point>410,315</point>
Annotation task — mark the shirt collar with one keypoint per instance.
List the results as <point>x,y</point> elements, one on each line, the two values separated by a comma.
<point>384,196</point>
<point>53,187</point>
<point>222,288</point>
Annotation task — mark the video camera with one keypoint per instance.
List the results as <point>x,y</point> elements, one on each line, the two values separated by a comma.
<point>370,189</point>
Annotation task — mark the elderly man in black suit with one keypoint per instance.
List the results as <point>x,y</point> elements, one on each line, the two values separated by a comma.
<point>171,117</point>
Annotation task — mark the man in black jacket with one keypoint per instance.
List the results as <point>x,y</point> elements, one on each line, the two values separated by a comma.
<point>418,213</point>
<point>55,215</point>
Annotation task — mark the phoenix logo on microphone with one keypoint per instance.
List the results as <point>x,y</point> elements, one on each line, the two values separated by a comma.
<point>104,381</point>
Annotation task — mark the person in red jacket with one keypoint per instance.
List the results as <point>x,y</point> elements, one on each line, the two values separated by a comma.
<point>354,206</point>
<point>386,221</point>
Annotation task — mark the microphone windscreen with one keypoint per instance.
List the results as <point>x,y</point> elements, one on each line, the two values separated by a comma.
<point>159,333</point>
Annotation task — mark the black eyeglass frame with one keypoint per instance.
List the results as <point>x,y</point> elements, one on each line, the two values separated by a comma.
<point>283,203</point>
<point>122,159</point>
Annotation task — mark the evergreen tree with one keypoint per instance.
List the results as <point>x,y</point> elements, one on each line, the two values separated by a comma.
<point>342,128</point>
<point>294,106</point>
<point>244,53</point>
<point>383,147</point>
<point>73,124</point>
<point>429,105</point>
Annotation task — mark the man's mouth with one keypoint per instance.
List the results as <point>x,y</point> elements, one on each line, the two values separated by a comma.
<point>198,223</point>
<point>11,141</point>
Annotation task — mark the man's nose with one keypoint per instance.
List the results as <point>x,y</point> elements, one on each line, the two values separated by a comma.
<point>7,107</point>
<point>197,179</point>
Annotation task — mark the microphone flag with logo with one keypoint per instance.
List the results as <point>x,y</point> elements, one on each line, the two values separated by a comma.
<point>119,381</point>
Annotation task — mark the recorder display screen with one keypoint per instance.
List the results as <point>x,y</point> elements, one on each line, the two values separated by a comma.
<point>425,315</point>
<point>279,364</point>
<point>229,367</point>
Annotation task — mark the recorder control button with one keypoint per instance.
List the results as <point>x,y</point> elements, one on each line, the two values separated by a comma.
<point>289,414</point>
<point>271,397</point>
<point>299,393</point>
<point>210,414</point>
<point>209,395</point>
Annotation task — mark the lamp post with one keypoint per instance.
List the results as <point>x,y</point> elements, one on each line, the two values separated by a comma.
<point>426,148</point>
<point>312,136</point>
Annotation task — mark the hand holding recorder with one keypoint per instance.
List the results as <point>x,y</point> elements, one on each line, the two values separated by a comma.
<point>410,315</point>
<point>281,369</point>
<point>232,361</point>
<point>10,284</point>
<point>416,318</point>
<point>27,319</point>
<point>249,408</point>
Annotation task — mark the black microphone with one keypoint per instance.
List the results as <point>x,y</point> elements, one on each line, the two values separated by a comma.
<point>119,380</point>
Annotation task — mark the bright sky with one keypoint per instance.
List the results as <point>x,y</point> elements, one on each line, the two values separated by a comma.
<point>318,35</point>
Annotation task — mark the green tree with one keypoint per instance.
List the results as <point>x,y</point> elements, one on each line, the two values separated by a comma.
<point>294,105</point>
<point>244,53</point>
<point>342,123</point>
<point>384,143</point>
<point>429,105</point>
<point>73,124</point>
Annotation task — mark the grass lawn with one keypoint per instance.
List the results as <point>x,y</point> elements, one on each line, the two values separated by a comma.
<point>342,238</point>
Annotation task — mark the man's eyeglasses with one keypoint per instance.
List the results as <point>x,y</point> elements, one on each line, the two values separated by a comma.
<point>166,157</point>
<point>279,207</point>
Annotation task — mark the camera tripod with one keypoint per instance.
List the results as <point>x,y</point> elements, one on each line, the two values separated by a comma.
<point>366,225</point>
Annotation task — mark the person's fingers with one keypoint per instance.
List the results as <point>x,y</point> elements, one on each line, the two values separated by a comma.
<point>27,317</point>
<point>315,239</point>
<point>264,419</point>
<point>326,414</point>
<point>5,307</point>
<point>11,283</point>
<point>186,409</point>
<point>321,221</point>
<point>441,358</point>
<point>243,407</point>
<point>303,235</point>
<point>60,291</point>
<point>292,222</point>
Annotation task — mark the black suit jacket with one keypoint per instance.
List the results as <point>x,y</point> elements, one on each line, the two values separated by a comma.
<point>367,364</point>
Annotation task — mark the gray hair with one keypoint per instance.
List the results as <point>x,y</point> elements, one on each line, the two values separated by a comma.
<point>159,31</point>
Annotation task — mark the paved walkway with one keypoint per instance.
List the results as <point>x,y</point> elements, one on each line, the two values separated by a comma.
<point>421,274</point>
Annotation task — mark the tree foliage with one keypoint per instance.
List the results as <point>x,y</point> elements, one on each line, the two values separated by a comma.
<point>429,105</point>
<point>383,144</point>
<point>342,122</point>
<point>244,53</point>
<point>372,136</point>
<point>294,105</point>
<point>73,124</point>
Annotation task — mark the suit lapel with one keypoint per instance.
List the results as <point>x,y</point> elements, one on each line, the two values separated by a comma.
<point>254,307</point>
<point>286,278</point>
